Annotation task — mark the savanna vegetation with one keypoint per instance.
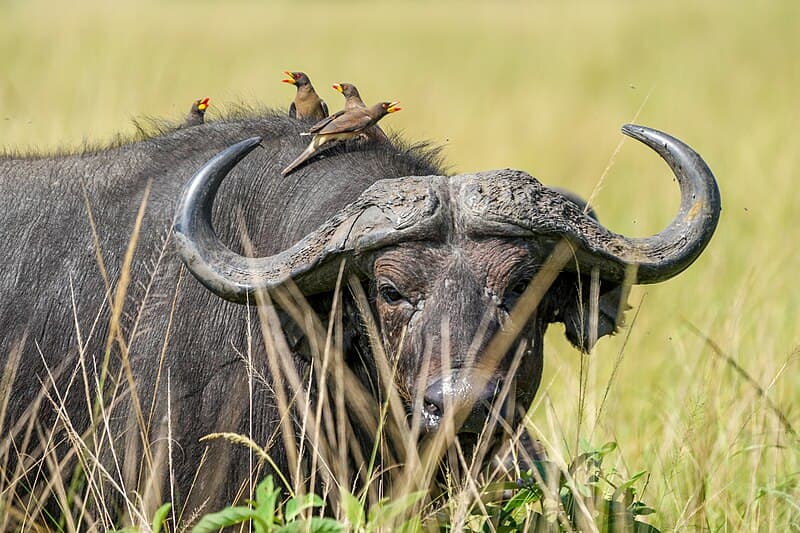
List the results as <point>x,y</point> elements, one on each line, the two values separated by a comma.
<point>698,389</point>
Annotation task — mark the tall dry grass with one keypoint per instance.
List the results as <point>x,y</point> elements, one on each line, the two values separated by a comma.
<point>693,387</point>
<point>85,485</point>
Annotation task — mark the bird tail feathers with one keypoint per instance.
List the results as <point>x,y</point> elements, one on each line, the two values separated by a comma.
<point>308,152</point>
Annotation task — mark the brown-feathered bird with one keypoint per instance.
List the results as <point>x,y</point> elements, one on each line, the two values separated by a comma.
<point>341,126</point>
<point>352,100</point>
<point>307,105</point>
<point>196,114</point>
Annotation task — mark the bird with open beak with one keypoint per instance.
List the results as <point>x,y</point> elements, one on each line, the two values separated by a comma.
<point>352,100</point>
<point>307,104</point>
<point>341,126</point>
<point>197,113</point>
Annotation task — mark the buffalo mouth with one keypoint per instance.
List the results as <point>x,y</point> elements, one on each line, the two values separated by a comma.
<point>495,453</point>
<point>480,435</point>
<point>485,415</point>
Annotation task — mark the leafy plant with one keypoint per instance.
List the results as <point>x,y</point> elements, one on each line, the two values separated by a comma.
<point>546,496</point>
<point>159,518</point>
<point>268,516</point>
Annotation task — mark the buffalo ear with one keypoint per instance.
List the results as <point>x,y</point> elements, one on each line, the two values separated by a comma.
<point>576,314</point>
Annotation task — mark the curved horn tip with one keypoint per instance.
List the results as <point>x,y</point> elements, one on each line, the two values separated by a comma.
<point>655,139</point>
<point>242,148</point>
<point>249,144</point>
<point>640,133</point>
<point>206,180</point>
<point>630,128</point>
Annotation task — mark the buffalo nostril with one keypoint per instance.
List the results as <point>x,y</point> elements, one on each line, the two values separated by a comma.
<point>470,408</point>
<point>433,401</point>
<point>432,409</point>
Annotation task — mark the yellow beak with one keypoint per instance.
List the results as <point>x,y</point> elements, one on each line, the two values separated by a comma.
<point>290,78</point>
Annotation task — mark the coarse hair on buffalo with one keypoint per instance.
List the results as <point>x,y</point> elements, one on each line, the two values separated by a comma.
<point>410,158</point>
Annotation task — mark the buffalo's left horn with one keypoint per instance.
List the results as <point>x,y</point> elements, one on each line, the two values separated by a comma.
<point>518,205</point>
<point>386,213</point>
<point>672,250</point>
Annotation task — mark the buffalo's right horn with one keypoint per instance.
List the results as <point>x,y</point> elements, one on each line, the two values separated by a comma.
<point>386,213</point>
<point>512,203</point>
<point>672,250</point>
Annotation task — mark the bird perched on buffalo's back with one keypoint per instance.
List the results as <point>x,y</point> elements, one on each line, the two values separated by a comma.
<point>197,113</point>
<point>341,126</point>
<point>352,100</point>
<point>307,104</point>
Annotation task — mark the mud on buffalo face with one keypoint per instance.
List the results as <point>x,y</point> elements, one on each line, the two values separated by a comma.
<point>438,307</point>
<point>447,257</point>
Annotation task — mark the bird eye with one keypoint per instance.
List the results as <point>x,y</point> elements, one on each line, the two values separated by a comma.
<point>390,294</point>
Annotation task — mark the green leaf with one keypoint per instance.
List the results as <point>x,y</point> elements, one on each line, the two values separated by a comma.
<point>412,525</point>
<point>312,525</point>
<point>607,448</point>
<point>353,510</point>
<point>298,504</point>
<point>585,445</point>
<point>229,516</point>
<point>266,498</point>
<point>325,525</point>
<point>567,500</point>
<point>629,483</point>
<point>386,511</point>
<point>265,492</point>
<point>160,517</point>
<point>522,497</point>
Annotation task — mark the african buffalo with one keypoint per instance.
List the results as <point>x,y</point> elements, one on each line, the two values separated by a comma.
<point>107,343</point>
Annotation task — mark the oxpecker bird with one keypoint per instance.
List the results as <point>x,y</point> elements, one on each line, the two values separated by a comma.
<point>196,114</point>
<point>307,105</point>
<point>341,126</point>
<point>352,100</point>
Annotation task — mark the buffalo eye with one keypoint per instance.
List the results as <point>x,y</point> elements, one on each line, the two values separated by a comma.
<point>390,294</point>
<point>513,293</point>
<point>520,287</point>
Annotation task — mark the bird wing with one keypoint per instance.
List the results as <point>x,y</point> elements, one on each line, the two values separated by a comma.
<point>324,122</point>
<point>353,120</point>
<point>324,106</point>
<point>292,110</point>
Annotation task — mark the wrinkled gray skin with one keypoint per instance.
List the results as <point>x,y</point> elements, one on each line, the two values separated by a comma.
<point>418,269</point>
<point>449,256</point>
<point>50,276</point>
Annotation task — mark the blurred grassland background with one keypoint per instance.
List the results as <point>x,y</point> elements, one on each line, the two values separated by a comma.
<point>542,87</point>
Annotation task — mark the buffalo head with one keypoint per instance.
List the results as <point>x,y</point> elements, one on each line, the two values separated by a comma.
<point>451,260</point>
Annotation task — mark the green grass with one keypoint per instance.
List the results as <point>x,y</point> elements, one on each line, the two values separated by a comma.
<point>544,88</point>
